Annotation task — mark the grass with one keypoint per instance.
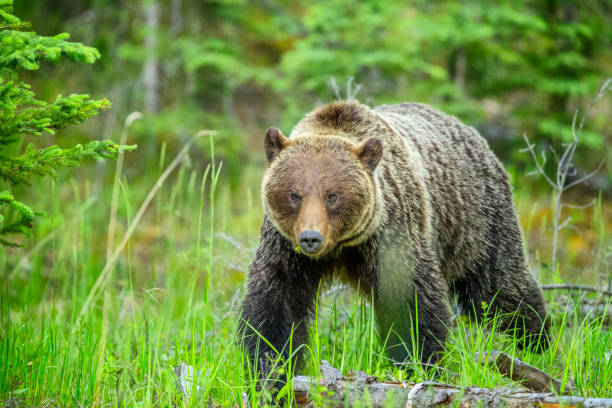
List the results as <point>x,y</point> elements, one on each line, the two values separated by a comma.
<point>174,297</point>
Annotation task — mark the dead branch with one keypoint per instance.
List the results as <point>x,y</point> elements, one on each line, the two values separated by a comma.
<point>351,91</point>
<point>583,288</point>
<point>528,375</point>
<point>349,391</point>
<point>580,206</point>
<point>565,168</point>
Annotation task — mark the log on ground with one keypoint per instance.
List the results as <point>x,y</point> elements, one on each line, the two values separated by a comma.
<point>528,375</point>
<point>352,390</point>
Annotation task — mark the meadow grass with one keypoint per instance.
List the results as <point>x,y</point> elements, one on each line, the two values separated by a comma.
<point>175,295</point>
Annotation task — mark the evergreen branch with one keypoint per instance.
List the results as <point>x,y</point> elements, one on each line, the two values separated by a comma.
<point>20,227</point>
<point>46,162</point>
<point>23,114</point>
<point>24,50</point>
<point>9,20</point>
<point>9,244</point>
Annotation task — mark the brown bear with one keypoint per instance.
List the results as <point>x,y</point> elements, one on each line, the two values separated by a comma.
<point>403,202</point>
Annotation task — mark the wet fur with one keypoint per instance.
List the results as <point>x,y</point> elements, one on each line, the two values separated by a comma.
<point>436,218</point>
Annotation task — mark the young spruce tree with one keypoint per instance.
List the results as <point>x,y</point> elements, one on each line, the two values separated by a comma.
<point>21,114</point>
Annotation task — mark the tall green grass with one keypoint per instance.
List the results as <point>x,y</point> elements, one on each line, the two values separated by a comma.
<point>175,297</point>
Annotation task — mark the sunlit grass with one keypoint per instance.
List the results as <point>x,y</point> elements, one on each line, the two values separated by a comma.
<point>146,334</point>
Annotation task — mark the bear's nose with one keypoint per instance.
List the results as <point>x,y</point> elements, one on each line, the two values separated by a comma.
<point>310,240</point>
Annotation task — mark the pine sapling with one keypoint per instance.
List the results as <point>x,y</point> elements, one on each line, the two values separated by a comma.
<point>21,114</point>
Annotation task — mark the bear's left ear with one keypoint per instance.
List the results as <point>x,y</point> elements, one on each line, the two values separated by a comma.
<point>369,153</point>
<point>274,142</point>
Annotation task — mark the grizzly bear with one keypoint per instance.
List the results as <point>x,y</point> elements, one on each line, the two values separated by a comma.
<point>403,202</point>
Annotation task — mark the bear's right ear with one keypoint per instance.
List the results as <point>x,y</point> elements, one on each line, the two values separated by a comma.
<point>275,142</point>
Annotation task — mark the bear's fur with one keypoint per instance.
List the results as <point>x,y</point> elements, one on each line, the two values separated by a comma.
<point>412,206</point>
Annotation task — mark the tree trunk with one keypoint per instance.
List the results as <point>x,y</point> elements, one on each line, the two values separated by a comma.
<point>150,70</point>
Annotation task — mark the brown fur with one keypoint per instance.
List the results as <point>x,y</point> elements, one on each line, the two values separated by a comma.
<point>424,210</point>
<point>313,167</point>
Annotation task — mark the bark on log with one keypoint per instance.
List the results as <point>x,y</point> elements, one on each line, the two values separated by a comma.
<point>350,391</point>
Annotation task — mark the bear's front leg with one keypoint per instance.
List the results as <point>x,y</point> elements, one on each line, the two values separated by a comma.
<point>282,288</point>
<point>411,304</point>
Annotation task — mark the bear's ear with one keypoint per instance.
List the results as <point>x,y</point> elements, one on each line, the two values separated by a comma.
<point>275,142</point>
<point>369,153</point>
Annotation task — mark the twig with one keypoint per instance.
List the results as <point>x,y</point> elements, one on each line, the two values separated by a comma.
<point>351,91</point>
<point>531,149</point>
<point>584,288</point>
<point>564,224</point>
<point>580,206</point>
<point>586,176</point>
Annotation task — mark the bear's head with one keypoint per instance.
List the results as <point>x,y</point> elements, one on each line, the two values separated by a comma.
<point>320,192</point>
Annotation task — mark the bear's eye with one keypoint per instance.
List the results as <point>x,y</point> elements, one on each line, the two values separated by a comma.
<point>295,198</point>
<point>331,198</point>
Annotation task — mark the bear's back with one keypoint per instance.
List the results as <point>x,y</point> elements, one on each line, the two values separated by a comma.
<point>425,126</point>
<point>445,145</point>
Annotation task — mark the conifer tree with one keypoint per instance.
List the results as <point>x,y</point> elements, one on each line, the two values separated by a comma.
<point>21,114</point>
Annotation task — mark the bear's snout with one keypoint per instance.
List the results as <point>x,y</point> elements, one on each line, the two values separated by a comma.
<point>310,240</point>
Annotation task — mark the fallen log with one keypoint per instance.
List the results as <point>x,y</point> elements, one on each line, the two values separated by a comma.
<point>527,375</point>
<point>342,391</point>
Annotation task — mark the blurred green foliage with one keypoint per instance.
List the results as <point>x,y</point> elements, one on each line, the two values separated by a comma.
<point>506,67</point>
<point>22,115</point>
